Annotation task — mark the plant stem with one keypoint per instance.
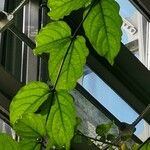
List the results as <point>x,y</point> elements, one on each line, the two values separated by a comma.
<point>72,40</point>
<point>43,146</point>
<point>50,104</point>
<point>64,59</point>
<point>104,142</point>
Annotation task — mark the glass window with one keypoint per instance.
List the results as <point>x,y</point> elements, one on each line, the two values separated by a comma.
<point>5,128</point>
<point>135,31</point>
<point>111,101</point>
<point>130,21</point>
<point>91,116</point>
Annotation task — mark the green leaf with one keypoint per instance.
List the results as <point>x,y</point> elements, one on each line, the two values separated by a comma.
<point>59,8</point>
<point>135,146</point>
<point>146,146</point>
<point>125,137</point>
<point>111,148</point>
<point>103,28</point>
<point>53,36</point>
<point>79,139</point>
<point>110,137</point>
<point>78,122</point>
<point>29,144</point>
<point>103,129</point>
<point>55,39</point>
<point>62,120</point>
<point>30,126</point>
<point>72,68</point>
<point>103,137</point>
<point>28,99</point>
<point>7,143</point>
<point>124,147</point>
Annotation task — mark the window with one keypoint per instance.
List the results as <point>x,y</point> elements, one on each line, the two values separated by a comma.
<point>113,102</point>
<point>136,38</point>
<point>1,9</point>
<point>123,84</point>
<point>135,31</point>
<point>2,5</point>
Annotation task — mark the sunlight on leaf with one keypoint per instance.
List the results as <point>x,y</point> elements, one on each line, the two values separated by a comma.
<point>72,68</point>
<point>62,120</point>
<point>55,39</point>
<point>103,28</point>
<point>7,143</point>
<point>31,129</point>
<point>28,99</point>
<point>59,8</point>
<point>30,126</point>
<point>53,36</point>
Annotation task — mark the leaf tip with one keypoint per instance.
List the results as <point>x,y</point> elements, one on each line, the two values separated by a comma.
<point>36,52</point>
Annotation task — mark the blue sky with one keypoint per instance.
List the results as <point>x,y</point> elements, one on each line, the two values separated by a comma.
<point>103,93</point>
<point>127,10</point>
<point>110,100</point>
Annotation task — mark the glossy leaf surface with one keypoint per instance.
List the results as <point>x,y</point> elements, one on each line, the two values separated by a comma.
<point>55,39</point>
<point>62,120</point>
<point>28,99</point>
<point>103,28</point>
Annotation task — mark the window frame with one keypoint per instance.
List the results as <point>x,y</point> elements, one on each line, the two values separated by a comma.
<point>124,77</point>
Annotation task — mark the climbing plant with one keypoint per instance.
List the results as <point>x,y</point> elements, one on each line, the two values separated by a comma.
<point>44,115</point>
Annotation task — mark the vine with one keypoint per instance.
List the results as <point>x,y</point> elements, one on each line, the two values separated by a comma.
<point>45,116</point>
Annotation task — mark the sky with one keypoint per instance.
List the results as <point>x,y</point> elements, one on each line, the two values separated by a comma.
<point>110,100</point>
<point>103,93</point>
<point>127,10</point>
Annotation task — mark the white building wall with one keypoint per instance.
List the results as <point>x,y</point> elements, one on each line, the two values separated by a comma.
<point>144,56</point>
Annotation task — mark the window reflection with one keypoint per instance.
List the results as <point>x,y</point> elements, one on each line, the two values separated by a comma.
<point>112,102</point>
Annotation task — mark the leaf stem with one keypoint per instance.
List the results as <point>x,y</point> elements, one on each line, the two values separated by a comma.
<point>60,111</point>
<point>98,140</point>
<point>91,6</point>
<point>64,59</point>
<point>50,104</point>
<point>72,40</point>
<point>62,64</point>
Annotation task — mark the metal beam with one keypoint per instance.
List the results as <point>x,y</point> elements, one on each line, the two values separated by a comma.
<point>128,78</point>
<point>143,6</point>
<point>90,98</point>
<point>8,84</point>
<point>4,107</point>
